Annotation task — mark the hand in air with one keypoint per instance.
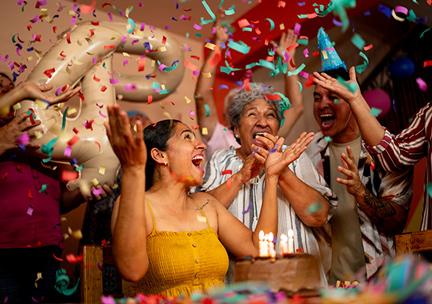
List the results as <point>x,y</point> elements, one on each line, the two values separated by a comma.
<point>352,179</point>
<point>287,39</point>
<point>333,85</point>
<point>34,91</point>
<point>129,146</point>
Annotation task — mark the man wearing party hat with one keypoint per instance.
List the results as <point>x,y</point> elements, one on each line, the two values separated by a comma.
<point>372,204</point>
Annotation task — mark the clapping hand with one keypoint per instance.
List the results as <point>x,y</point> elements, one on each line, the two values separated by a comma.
<point>277,160</point>
<point>352,179</point>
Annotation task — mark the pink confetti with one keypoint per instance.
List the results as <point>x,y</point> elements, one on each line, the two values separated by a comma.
<point>161,67</point>
<point>114,81</point>
<point>297,28</point>
<point>58,91</point>
<point>130,87</point>
<point>100,112</point>
<point>191,112</point>
<point>23,139</point>
<point>68,151</point>
<point>4,58</point>
<point>304,74</point>
<point>421,84</point>
<point>30,210</point>
<point>306,53</point>
<point>142,26</point>
<point>197,27</point>
<point>97,191</point>
<point>401,9</point>
<point>36,18</point>
<point>110,17</point>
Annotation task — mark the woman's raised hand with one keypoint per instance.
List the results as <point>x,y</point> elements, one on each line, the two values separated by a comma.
<point>277,160</point>
<point>128,145</point>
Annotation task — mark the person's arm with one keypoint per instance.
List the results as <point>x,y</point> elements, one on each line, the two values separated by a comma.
<point>29,90</point>
<point>205,104</point>
<point>302,197</point>
<point>387,215</point>
<point>292,88</point>
<point>301,186</point>
<point>73,199</point>
<point>371,130</point>
<point>128,220</point>
<point>235,236</point>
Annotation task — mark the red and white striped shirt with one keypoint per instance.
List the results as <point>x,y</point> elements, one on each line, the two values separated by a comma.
<point>403,151</point>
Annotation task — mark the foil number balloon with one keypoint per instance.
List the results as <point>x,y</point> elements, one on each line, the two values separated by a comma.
<point>85,55</point>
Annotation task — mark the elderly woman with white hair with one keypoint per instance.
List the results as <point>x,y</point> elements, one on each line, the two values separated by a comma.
<point>236,176</point>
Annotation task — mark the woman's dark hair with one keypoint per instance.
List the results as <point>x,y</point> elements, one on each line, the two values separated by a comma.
<point>157,136</point>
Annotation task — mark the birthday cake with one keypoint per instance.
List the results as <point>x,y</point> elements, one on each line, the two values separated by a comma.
<point>293,274</point>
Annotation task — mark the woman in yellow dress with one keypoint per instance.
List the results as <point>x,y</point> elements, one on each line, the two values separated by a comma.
<point>170,241</point>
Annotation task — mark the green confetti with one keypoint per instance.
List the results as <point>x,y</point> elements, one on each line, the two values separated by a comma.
<point>247,29</point>
<point>64,120</point>
<point>336,101</point>
<point>45,160</point>
<point>240,46</point>
<point>272,25</point>
<point>48,148</point>
<point>230,11</point>
<point>301,87</point>
<point>429,189</point>
<point>209,11</point>
<point>349,85</point>
<point>303,41</point>
<point>327,139</point>
<point>79,168</point>
<point>296,71</point>
<point>375,112</point>
<point>358,41</point>
<point>266,64</point>
<point>360,68</point>
<point>424,32</point>
<point>314,208</point>
<point>62,283</point>
<point>132,24</point>
<point>43,189</point>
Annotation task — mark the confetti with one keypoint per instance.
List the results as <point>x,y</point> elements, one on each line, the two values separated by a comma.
<point>421,84</point>
<point>30,210</point>
<point>375,112</point>
<point>247,209</point>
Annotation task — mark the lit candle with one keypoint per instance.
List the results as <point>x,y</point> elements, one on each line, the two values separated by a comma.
<point>283,245</point>
<point>263,247</point>
<point>290,241</point>
<point>271,247</point>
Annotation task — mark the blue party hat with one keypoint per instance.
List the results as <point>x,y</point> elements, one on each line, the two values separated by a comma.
<point>330,59</point>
